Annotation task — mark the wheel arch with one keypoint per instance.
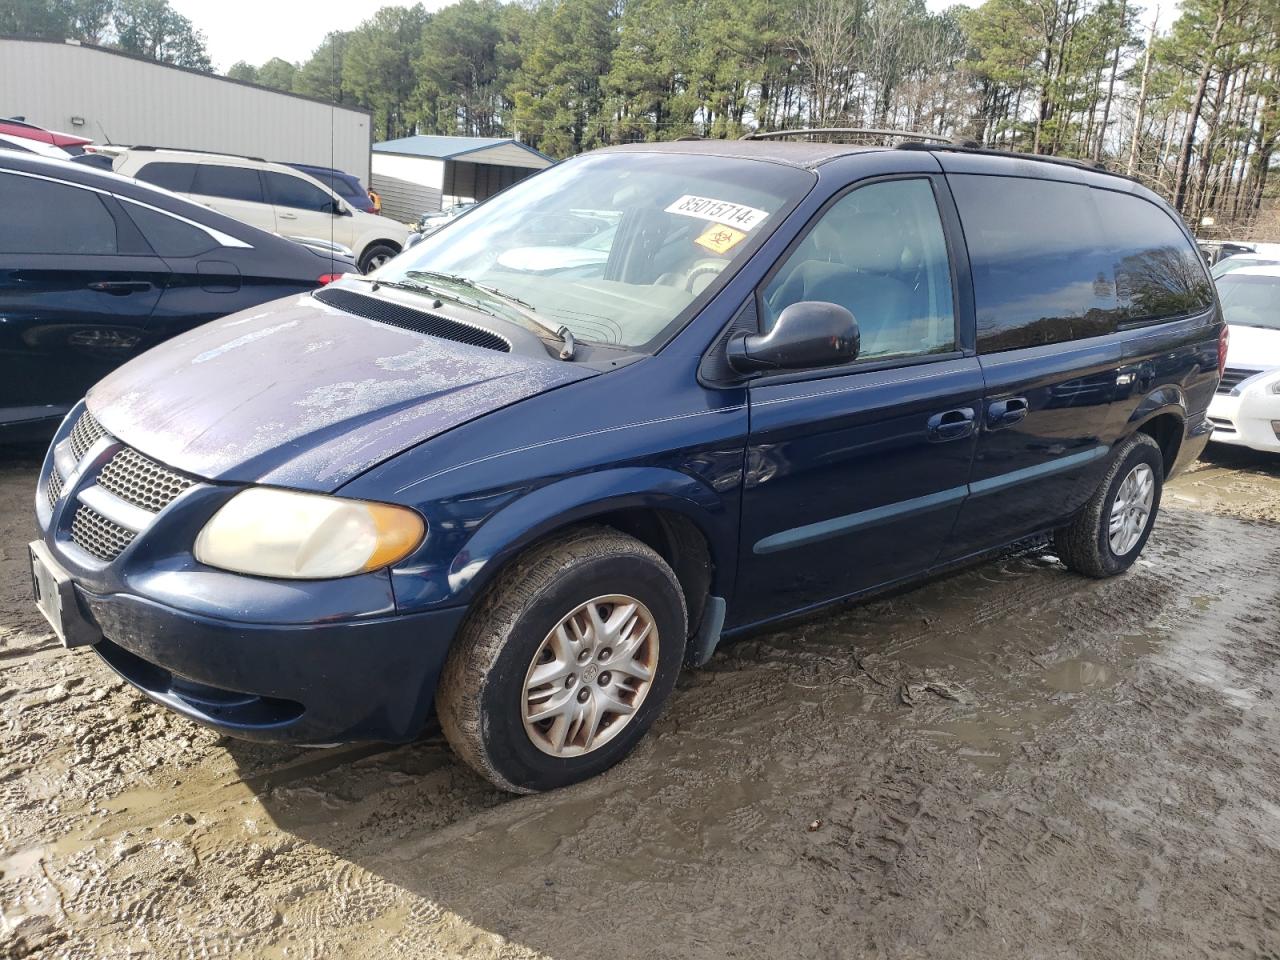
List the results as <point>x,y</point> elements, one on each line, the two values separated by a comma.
<point>1162,415</point>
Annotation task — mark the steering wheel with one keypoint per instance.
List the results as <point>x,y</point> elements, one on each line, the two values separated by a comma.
<point>712,267</point>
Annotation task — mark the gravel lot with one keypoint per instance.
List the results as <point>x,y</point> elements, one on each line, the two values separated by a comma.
<point>1011,762</point>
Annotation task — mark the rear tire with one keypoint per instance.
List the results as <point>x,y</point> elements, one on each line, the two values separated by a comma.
<point>1108,535</point>
<point>558,613</point>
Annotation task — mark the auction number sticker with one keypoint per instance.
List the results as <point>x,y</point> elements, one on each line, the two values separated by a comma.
<point>720,239</point>
<point>736,215</point>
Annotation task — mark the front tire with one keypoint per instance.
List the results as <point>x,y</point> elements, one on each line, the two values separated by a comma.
<point>375,255</point>
<point>1108,535</point>
<point>563,665</point>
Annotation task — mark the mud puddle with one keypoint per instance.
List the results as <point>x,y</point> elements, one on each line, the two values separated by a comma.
<point>1010,762</point>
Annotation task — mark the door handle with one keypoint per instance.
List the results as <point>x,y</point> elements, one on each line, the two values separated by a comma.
<point>951,425</point>
<point>288,216</point>
<point>1004,413</point>
<point>120,288</point>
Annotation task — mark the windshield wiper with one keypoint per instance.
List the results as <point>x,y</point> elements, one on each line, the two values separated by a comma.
<point>526,310</point>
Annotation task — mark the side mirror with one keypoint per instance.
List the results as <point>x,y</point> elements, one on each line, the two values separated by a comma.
<point>339,209</point>
<point>811,333</point>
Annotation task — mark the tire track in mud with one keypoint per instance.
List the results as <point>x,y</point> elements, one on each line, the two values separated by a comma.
<point>1108,786</point>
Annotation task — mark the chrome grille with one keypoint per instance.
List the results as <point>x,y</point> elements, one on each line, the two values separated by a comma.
<point>141,481</point>
<point>85,434</point>
<point>99,536</point>
<point>1232,377</point>
<point>55,487</point>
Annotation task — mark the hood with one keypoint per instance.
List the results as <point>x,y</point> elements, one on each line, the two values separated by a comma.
<point>299,394</point>
<point>1253,348</point>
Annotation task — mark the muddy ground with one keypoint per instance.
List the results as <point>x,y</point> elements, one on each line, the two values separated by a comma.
<point>1095,773</point>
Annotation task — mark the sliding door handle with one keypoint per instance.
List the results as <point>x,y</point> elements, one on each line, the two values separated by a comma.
<point>1005,413</point>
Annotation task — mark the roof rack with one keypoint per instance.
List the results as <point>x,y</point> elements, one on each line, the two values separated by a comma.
<point>859,131</point>
<point>972,147</point>
<point>212,153</point>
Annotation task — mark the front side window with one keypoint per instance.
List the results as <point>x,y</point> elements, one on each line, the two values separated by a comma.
<point>1042,270</point>
<point>880,252</point>
<point>296,193</point>
<point>229,183</point>
<point>41,216</point>
<point>1251,300</point>
<point>620,248</point>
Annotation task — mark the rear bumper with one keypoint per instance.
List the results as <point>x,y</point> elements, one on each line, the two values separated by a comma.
<point>314,683</point>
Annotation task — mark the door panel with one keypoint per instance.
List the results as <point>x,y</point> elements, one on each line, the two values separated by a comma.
<point>305,210</point>
<point>847,487</point>
<point>236,192</point>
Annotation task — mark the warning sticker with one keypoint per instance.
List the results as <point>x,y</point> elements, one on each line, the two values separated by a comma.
<point>720,239</point>
<point>721,211</point>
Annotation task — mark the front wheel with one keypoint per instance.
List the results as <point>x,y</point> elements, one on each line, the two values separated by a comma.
<point>375,256</point>
<point>564,664</point>
<point>1108,535</point>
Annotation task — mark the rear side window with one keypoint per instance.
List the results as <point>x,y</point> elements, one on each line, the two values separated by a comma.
<point>1042,271</point>
<point>169,236</point>
<point>41,216</point>
<point>1159,273</point>
<point>171,176</point>
<point>294,192</point>
<point>230,183</point>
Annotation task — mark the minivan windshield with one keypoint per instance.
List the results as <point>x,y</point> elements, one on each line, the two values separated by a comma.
<point>619,248</point>
<point>1250,300</point>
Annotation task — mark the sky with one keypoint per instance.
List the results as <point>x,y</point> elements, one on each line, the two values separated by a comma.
<point>257,30</point>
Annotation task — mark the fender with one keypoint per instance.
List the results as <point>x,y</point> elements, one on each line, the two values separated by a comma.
<point>582,497</point>
<point>1167,398</point>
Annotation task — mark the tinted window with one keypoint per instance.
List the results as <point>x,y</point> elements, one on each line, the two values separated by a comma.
<point>230,183</point>
<point>342,186</point>
<point>172,176</point>
<point>1159,273</point>
<point>880,252</point>
<point>1041,269</point>
<point>168,236</point>
<point>45,217</point>
<point>1249,300</point>
<point>287,191</point>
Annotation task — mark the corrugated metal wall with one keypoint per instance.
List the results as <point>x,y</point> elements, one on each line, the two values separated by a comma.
<point>479,181</point>
<point>134,101</point>
<point>409,186</point>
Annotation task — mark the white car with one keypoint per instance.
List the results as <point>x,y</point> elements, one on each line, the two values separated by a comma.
<point>1246,409</point>
<point>270,196</point>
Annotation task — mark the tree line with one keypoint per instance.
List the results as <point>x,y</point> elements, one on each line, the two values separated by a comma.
<point>1191,106</point>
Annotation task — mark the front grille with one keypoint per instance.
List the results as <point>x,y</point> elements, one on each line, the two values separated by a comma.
<point>141,481</point>
<point>85,434</point>
<point>55,487</point>
<point>419,321</point>
<point>1232,377</point>
<point>99,536</point>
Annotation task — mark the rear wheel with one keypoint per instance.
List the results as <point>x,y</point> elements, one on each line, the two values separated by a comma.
<point>376,255</point>
<point>1108,535</point>
<point>564,665</point>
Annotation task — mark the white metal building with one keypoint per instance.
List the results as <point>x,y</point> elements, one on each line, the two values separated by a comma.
<point>417,175</point>
<point>113,97</point>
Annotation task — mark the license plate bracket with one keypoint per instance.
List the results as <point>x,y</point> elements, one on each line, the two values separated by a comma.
<point>55,598</point>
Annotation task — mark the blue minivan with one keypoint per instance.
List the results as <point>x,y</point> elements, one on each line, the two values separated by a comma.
<point>653,397</point>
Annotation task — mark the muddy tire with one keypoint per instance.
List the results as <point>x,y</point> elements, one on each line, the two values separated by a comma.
<point>375,255</point>
<point>1108,535</point>
<point>565,662</point>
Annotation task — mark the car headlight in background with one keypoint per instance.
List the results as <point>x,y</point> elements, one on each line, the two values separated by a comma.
<point>1267,380</point>
<point>280,533</point>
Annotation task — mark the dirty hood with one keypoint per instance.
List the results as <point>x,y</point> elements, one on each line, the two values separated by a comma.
<point>300,394</point>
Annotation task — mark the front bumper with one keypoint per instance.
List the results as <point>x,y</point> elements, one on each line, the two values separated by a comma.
<point>298,683</point>
<point>1249,419</point>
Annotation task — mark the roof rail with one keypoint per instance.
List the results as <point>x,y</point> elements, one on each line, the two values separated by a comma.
<point>970,147</point>
<point>860,131</point>
<point>212,153</point>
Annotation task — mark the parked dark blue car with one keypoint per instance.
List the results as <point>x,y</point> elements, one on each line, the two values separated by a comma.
<point>95,269</point>
<point>345,185</point>
<point>652,397</point>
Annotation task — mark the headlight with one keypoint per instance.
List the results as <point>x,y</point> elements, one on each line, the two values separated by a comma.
<point>1268,381</point>
<point>280,533</point>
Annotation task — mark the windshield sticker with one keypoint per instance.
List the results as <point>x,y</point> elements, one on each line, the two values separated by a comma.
<point>720,239</point>
<point>721,211</point>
